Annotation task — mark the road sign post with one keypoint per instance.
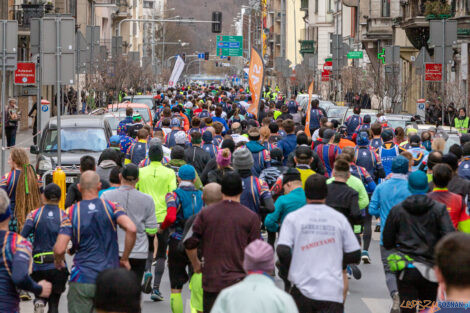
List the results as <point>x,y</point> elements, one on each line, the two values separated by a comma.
<point>355,55</point>
<point>433,72</point>
<point>230,46</point>
<point>25,73</point>
<point>8,44</point>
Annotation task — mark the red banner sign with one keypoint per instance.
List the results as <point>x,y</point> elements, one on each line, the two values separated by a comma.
<point>325,76</point>
<point>25,74</point>
<point>433,72</point>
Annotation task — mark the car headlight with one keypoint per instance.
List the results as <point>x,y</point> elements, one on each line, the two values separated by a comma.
<point>45,165</point>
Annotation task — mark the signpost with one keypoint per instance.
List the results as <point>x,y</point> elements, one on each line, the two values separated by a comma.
<point>25,73</point>
<point>355,55</point>
<point>433,72</point>
<point>230,46</point>
<point>325,76</point>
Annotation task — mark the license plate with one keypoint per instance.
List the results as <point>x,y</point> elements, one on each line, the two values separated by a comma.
<point>69,180</point>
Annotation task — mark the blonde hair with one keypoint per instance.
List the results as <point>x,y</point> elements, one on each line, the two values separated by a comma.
<point>27,190</point>
<point>265,133</point>
<point>438,144</point>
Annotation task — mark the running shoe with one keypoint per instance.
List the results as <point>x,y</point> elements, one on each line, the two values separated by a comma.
<point>156,295</point>
<point>24,296</point>
<point>39,306</point>
<point>365,257</point>
<point>147,285</point>
<point>356,272</point>
<point>348,272</point>
<point>396,303</point>
<point>377,228</point>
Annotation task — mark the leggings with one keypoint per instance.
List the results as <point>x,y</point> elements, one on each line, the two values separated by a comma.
<point>367,234</point>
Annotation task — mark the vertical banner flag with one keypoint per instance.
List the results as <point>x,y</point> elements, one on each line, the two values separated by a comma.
<point>309,109</point>
<point>255,80</point>
<point>177,70</point>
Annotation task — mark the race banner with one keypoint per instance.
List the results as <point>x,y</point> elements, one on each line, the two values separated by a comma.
<point>177,70</point>
<point>255,80</point>
<point>309,109</point>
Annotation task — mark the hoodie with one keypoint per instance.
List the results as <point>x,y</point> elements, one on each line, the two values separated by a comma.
<point>261,157</point>
<point>415,226</point>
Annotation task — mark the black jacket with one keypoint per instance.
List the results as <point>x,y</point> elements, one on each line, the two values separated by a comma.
<point>415,226</point>
<point>345,200</point>
<point>316,165</point>
<point>197,157</point>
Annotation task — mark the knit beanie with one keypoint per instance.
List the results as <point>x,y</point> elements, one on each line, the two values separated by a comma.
<point>259,256</point>
<point>222,160</point>
<point>242,159</point>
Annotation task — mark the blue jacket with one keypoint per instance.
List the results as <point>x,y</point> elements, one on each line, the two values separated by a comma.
<point>260,157</point>
<point>388,194</point>
<point>287,145</point>
<point>464,168</point>
<point>315,116</point>
<point>283,206</point>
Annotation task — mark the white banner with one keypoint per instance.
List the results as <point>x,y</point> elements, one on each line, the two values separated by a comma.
<point>177,70</point>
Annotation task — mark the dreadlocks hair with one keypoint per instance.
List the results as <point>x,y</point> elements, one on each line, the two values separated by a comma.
<point>27,195</point>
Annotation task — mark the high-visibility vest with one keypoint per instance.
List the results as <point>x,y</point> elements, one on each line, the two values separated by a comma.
<point>462,125</point>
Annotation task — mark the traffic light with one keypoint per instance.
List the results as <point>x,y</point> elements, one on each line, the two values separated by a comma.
<point>229,58</point>
<point>216,64</point>
<point>206,56</point>
<point>183,56</point>
<point>217,22</point>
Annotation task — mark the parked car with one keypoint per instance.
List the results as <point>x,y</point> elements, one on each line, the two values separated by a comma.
<point>399,120</point>
<point>80,135</point>
<point>337,113</point>
<point>302,100</point>
<point>149,100</point>
<point>142,109</point>
<point>113,119</point>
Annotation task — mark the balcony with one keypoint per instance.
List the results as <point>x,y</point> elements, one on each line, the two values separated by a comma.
<point>307,47</point>
<point>278,16</point>
<point>304,5</point>
<point>377,28</point>
<point>25,12</point>
<point>414,23</point>
<point>123,11</point>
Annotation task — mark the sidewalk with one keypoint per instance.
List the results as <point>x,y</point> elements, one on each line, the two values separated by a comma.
<point>24,139</point>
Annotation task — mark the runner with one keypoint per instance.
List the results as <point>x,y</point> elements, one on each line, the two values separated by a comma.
<point>91,226</point>
<point>195,155</point>
<point>327,150</point>
<point>138,150</point>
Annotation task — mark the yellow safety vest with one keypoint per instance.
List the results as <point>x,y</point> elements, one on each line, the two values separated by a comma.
<point>461,125</point>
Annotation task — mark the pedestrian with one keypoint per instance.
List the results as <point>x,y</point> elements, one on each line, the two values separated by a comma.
<point>367,158</point>
<point>388,151</point>
<point>376,141</point>
<point>22,187</point>
<point>157,180</point>
<point>12,117</point>
<point>182,204</point>
<point>122,126</point>
<point>15,256</point>
<point>272,173</point>
<point>110,296</point>
<point>388,194</point>
<point>316,114</point>
<point>223,159</point>
<point>256,195</point>
<point>223,230</point>
<point>140,208</point>
<point>91,226</point>
<point>257,292</point>
<point>33,113</point>
<point>314,260</point>
<point>114,180</point>
<point>403,239</point>
<point>109,159</point>
<point>44,224</point>
<point>353,121</point>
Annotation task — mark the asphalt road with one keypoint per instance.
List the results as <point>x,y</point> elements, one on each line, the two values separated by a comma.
<point>367,295</point>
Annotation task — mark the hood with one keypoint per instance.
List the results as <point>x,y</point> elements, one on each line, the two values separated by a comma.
<point>254,146</point>
<point>418,204</point>
<point>107,164</point>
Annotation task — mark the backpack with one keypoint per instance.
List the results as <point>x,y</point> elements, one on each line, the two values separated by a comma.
<point>191,204</point>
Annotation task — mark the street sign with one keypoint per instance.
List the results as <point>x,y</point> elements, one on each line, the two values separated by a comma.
<point>355,55</point>
<point>325,76</point>
<point>433,72</point>
<point>420,108</point>
<point>11,42</point>
<point>328,66</point>
<point>230,46</point>
<point>116,46</point>
<point>442,36</point>
<point>25,73</point>
<point>381,55</point>
<point>82,57</point>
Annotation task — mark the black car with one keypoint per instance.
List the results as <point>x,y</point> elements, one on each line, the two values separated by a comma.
<point>81,135</point>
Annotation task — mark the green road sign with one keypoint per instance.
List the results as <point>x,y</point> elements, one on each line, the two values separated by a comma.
<point>328,59</point>
<point>381,55</point>
<point>230,46</point>
<point>355,55</point>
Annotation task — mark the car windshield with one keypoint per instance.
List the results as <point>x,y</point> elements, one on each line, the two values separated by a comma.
<point>113,121</point>
<point>397,123</point>
<point>142,111</point>
<point>146,101</point>
<point>336,112</point>
<point>72,139</point>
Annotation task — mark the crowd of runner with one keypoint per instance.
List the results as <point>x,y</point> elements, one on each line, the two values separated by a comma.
<point>225,200</point>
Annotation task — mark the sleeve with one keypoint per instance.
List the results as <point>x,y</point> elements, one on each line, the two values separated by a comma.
<point>355,211</point>
<point>128,154</point>
<point>28,225</point>
<point>445,223</point>
<point>171,210</point>
<point>66,225</point>
<point>390,229</point>
<point>20,268</point>
<point>363,196</point>
<point>350,242</point>
<point>287,233</point>
<point>374,204</point>
<point>272,220</point>
<point>71,197</point>
<point>455,213</point>
<point>117,210</point>
<point>151,226</point>
<point>255,232</point>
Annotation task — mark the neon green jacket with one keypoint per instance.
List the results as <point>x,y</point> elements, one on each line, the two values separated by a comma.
<point>157,180</point>
<point>356,184</point>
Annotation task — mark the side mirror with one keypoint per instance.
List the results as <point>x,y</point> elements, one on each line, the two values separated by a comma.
<point>34,149</point>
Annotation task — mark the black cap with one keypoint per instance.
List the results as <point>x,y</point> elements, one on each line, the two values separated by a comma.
<point>156,153</point>
<point>291,174</point>
<point>414,140</point>
<point>387,135</point>
<point>130,172</point>
<point>303,152</point>
<point>451,160</point>
<point>52,192</point>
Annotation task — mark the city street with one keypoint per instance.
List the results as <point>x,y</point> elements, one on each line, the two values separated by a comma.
<point>367,295</point>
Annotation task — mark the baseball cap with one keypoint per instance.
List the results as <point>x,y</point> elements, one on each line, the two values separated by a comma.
<point>130,172</point>
<point>115,140</point>
<point>52,192</point>
<point>328,134</point>
<point>303,152</point>
<point>175,122</point>
<point>418,183</point>
<point>187,172</point>
<point>292,174</point>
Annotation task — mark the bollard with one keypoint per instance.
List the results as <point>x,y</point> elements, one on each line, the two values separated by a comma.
<point>58,177</point>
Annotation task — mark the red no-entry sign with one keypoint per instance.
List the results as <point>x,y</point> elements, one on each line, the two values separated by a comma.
<point>325,76</point>
<point>433,72</point>
<point>25,74</point>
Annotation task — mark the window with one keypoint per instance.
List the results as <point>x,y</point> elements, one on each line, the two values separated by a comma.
<point>330,6</point>
<point>385,8</point>
<point>134,29</point>
<point>316,6</point>
<point>148,4</point>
